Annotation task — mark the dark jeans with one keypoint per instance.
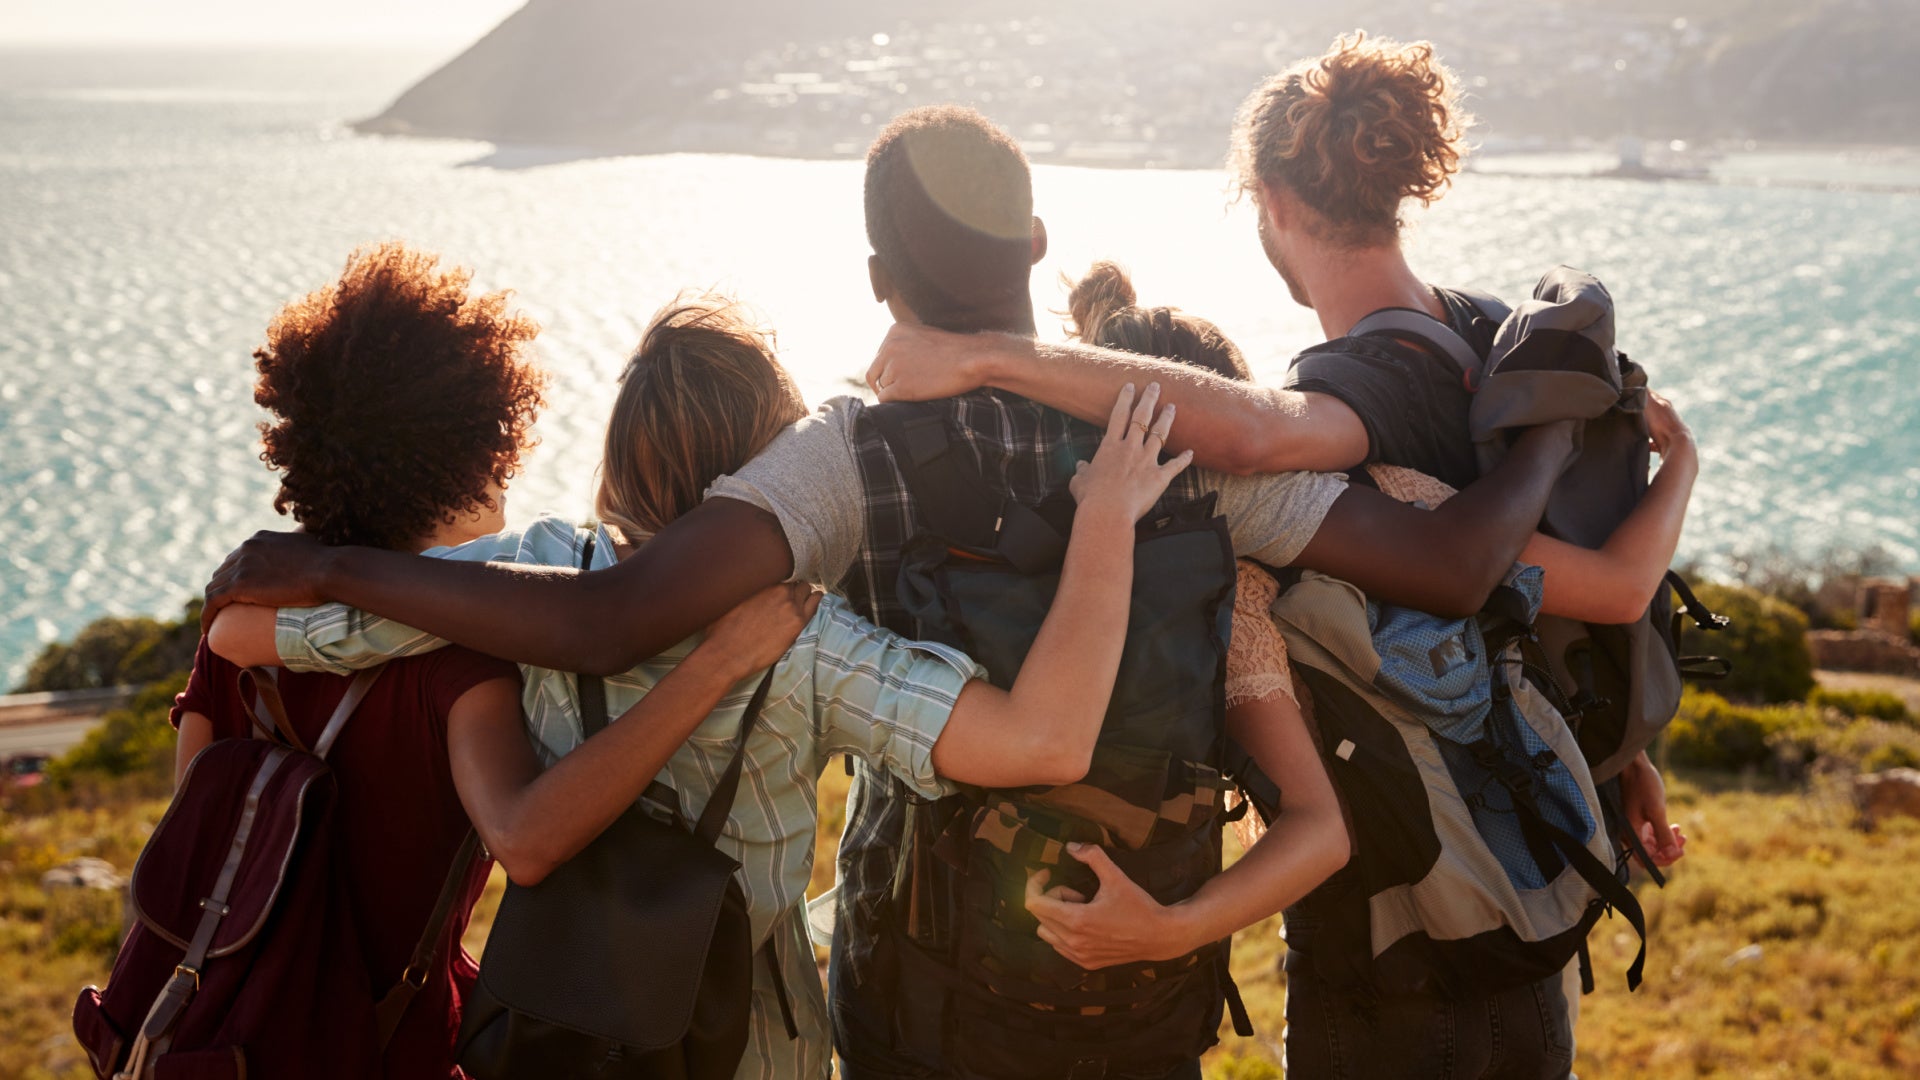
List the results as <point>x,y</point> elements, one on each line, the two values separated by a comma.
<point>1335,1034</point>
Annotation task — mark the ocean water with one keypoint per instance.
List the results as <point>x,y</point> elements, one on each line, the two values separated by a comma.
<point>156,209</point>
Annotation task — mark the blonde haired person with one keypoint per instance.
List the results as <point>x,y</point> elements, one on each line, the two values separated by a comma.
<point>702,395</point>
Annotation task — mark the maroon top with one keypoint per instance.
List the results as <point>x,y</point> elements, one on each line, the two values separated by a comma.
<point>400,822</point>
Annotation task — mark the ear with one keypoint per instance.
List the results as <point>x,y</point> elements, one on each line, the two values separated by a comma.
<point>878,277</point>
<point>1039,240</point>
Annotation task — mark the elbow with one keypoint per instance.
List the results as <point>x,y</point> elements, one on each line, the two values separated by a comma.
<point>522,853</point>
<point>1057,766</point>
<point>1255,448</point>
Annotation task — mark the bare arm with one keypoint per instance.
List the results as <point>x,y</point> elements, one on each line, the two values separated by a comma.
<point>1231,426</point>
<point>693,572</point>
<point>1042,730</point>
<point>1616,583</point>
<point>1447,560</point>
<point>242,635</point>
<point>1305,844</point>
<point>532,821</point>
<point>196,731</point>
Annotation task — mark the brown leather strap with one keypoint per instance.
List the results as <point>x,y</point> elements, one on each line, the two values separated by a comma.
<point>393,1006</point>
<point>213,908</point>
<point>260,696</point>
<point>356,693</point>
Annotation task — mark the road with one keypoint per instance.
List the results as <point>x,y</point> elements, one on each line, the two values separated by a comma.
<point>47,737</point>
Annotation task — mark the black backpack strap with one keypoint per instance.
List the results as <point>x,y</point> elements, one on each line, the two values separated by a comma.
<point>593,689</point>
<point>714,816</point>
<point>1690,605</point>
<point>1424,329</point>
<point>780,989</point>
<point>388,1012</point>
<point>1236,1008</point>
<point>947,487</point>
<point>956,501</point>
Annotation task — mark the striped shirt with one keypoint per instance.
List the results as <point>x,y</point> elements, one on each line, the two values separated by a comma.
<point>846,687</point>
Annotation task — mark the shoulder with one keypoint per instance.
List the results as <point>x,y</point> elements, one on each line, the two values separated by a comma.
<point>444,675</point>
<point>548,540</point>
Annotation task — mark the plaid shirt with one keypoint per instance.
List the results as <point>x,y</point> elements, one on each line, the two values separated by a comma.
<point>1025,451</point>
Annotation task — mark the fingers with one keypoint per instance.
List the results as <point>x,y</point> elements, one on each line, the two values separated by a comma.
<point>1122,411</point>
<point>1142,421</point>
<point>1162,423</point>
<point>1097,860</point>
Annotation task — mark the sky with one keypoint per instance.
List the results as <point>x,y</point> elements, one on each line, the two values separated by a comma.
<point>249,22</point>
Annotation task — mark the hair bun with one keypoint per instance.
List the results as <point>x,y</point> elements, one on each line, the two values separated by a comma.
<point>1103,290</point>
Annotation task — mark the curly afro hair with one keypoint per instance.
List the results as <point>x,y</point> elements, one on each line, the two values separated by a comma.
<point>399,399</point>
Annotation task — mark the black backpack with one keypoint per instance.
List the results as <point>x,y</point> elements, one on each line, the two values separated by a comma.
<point>978,992</point>
<point>1553,358</point>
<point>633,959</point>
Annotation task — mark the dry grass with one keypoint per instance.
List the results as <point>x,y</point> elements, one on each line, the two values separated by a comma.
<point>1833,988</point>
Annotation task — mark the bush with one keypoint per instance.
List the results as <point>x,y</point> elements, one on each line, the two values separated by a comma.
<point>134,741</point>
<point>117,651</point>
<point>1710,732</point>
<point>1791,741</point>
<point>1766,642</point>
<point>1863,704</point>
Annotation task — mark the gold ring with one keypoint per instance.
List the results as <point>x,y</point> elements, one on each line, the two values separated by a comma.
<point>1157,435</point>
<point>1144,428</point>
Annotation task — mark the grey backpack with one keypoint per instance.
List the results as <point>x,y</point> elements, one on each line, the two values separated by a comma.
<point>1481,855</point>
<point>1553,358</point>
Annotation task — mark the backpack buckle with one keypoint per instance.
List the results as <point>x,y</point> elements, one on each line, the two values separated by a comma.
<point>182,969</point>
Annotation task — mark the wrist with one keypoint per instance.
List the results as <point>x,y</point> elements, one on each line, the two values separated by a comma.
<point>1104,517</point>
<point>714,665</point>
<point>1186,928</point>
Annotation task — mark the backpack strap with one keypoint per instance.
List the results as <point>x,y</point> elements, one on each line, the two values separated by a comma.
<point>956,501</point>
<point>260,697</point>
<point>391,1007</point>
<point>948,490</point>
<point>714,816</point>
<point>158,1026</point>
<point>1424,329</point>
<point>356,693</point>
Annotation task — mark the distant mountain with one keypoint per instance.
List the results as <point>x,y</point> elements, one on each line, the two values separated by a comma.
<point>1144,82</point>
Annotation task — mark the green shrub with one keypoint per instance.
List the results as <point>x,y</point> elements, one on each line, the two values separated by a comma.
<point>1766,643</point>
<point>1710,732</point>
<point>117,651</point>
<point>1863,704</point>
<point>133,741</point>
<point>1913,628</point>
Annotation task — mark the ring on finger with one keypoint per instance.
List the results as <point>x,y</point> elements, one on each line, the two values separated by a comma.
<point>1142,426</point>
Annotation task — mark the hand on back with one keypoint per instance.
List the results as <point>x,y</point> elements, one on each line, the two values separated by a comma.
<point>1665,430</point>
<point>919,363</point>
<point>755,635</point>
<point>273,569</point>
<point>1126,474</point>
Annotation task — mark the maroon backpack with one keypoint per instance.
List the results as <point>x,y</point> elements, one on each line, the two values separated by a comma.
<point>243,959</point>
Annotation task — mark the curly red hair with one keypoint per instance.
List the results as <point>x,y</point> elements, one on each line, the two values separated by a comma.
<point>1354,133</point>
<point>399,398</point>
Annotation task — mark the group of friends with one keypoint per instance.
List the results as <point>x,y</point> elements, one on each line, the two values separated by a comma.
<point>739,530</point>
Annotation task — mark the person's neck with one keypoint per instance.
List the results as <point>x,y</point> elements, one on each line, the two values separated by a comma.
<point>1015,317</point>
<point>1346,286</point>
<point>451,534</point>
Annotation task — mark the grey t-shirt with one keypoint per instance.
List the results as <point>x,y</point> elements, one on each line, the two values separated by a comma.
<point>808,478</point>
